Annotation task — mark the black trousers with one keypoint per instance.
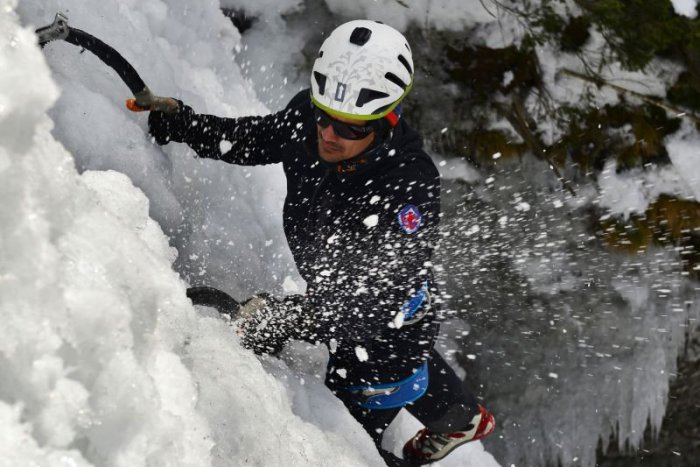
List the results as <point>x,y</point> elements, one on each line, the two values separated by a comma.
<point>446,406</point>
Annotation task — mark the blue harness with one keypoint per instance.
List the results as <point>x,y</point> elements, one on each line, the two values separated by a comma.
<point>399,393</point>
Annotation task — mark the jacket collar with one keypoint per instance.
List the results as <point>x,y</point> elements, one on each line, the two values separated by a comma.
<point>360,164</point>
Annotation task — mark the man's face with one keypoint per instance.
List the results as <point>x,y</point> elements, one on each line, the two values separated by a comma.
<point>333,148</point>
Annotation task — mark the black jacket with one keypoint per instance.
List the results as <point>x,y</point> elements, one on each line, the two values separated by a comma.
<point>343,225</point>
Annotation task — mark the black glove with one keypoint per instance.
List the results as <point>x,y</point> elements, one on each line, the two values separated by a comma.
<point>267,324</point>
<point>174,126</point>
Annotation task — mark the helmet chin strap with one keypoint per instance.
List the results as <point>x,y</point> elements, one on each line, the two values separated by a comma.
<point>373,153</point>
<point>384,132</point>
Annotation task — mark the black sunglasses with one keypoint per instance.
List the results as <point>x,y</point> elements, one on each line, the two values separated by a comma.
<point>342,129</point>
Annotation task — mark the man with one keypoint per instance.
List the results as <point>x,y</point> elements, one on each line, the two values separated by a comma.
<point>361,218</point>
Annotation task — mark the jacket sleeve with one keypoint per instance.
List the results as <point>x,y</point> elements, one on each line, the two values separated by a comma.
<point>248,140</point>
<point>371,270</point>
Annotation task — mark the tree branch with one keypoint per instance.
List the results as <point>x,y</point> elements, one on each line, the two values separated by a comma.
<point>652,100</point>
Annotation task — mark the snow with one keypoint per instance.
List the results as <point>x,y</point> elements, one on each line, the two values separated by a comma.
<point>632,191</point>
<point>452,15</point>
<point>683,151</point>
<point>686,7</point>
<point>455,169</point>
<point>104,359</point>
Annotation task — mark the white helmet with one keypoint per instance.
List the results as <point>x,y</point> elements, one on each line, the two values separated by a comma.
<point>363,71</point>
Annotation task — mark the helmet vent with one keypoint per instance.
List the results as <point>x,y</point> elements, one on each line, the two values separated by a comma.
<point>368,95</point>
<point>396,80</point>
<point>320,81</point>
<point>360,36</point>
<point>404,62</point>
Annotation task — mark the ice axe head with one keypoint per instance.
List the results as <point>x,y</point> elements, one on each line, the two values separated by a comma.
<point>58,30</point>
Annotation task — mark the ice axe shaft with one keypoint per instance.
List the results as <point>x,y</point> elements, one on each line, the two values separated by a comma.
<point>143,99</point>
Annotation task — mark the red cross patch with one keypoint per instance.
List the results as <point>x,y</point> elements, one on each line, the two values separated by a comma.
<point>410,218</point>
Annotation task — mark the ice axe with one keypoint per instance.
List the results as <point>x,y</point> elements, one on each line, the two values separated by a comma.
<point>214,298</point>
<point>143,99</point>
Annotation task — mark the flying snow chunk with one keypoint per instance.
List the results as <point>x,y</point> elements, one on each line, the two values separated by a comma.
<point>553,375</point>
<point>472,230</point>
<point>371,221</point>
<point>496,156</point>
<point>508,77</point>
<point>361,353</point>
<point>523,207</point>
<point>398,320</point>
<point>225,146</point>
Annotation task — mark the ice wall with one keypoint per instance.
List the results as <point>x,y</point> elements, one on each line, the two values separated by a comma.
<point>103,359</point>
<point>220,220</point>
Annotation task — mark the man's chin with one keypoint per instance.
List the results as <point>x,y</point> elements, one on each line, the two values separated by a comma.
<point>330,156</point>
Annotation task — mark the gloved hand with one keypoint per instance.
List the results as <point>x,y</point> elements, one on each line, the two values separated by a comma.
<point>173,126</point>
<point>264,324</point>
<point>254,306</point>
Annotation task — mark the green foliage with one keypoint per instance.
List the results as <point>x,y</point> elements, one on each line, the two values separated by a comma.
<point>668,221</point>
<point>637,30</point>
<point>686,91</point>
<point>484,144</point>
<point>575,34</point>
<point>632,135</point>
<point>482,70</point>
<point>546,19</point>
<point>496,83</point>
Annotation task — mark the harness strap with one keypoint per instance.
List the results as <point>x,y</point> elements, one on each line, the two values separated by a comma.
<point>415,308</point>
<point>392,395</point>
